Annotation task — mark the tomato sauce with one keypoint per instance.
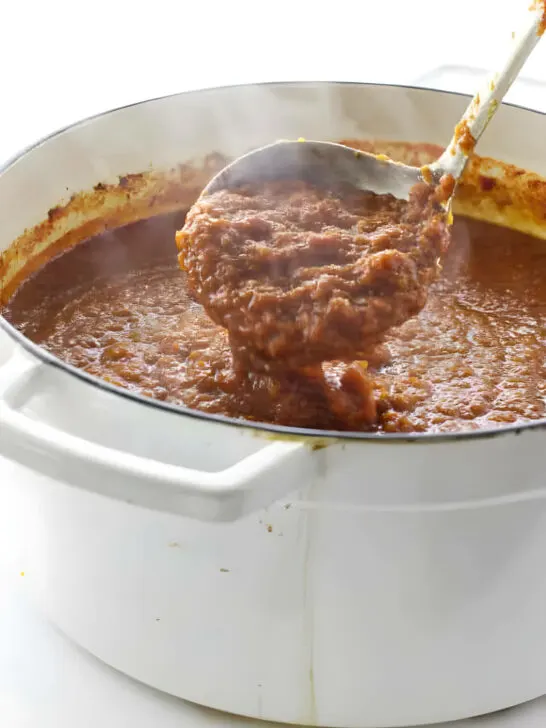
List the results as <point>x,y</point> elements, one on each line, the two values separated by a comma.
<point>118,307</point>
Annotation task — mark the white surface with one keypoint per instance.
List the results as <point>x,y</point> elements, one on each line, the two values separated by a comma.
<point>63,64</point>
<point>47,682</point>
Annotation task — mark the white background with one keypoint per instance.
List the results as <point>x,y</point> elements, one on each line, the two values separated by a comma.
<point>61,60</point>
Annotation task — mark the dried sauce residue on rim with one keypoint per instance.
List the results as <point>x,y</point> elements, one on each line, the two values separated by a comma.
<point>108,205</point>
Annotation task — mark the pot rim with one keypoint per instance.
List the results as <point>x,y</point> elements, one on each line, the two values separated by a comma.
<point>268,429</point>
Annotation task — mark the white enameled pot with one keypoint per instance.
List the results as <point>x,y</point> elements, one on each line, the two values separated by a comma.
<point>327,580</point>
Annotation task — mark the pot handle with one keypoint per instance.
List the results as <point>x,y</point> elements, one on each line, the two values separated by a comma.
<point>253,483</point>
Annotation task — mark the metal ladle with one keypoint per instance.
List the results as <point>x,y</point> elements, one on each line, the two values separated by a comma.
<point>332,164</point>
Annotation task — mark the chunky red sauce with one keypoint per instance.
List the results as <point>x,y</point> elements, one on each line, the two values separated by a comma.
<point>299,274</point>
<point>474,357</point>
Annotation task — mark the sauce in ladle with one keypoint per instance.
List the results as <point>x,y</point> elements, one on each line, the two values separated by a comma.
<point>299,274</point>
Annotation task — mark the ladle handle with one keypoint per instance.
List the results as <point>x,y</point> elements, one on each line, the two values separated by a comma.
<point>483,106</point>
